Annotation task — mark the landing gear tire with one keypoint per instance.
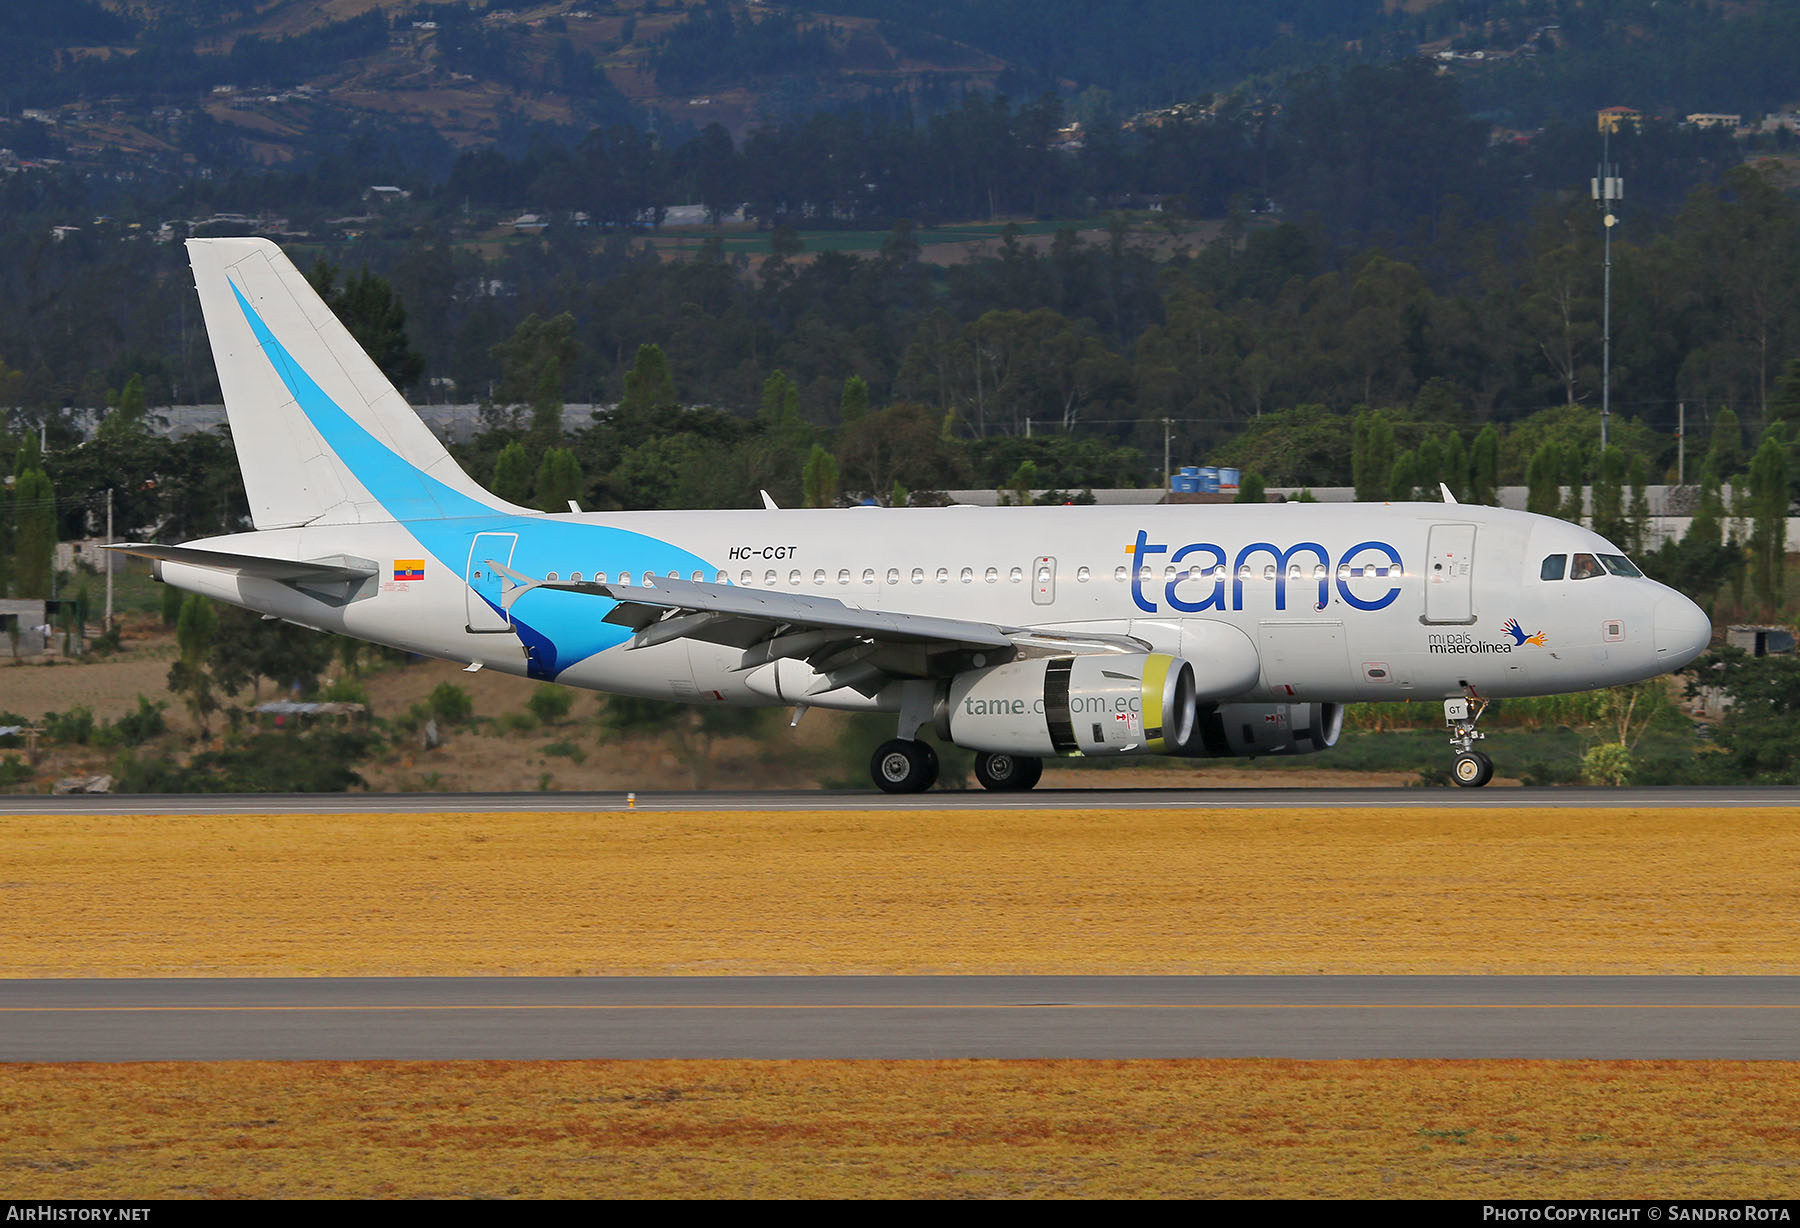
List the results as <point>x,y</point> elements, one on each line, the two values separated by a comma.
<point>1473,769</point>
<point>904,765</point>
<point>1007,773</point>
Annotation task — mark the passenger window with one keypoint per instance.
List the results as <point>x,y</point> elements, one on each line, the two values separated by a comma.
<point>1585,567</point>
<point>549,575</point>
<point>744,577</point>
<point>1016,575</point>
<point>992,575</point>
<point>721,578</point>
<point>575,576</point>
<point>1168,574</point>
<point>868,575</point>
<point>943,575</point>
<point>625,577</point>
<point>918,575</point>
<point>794,577</point>
<point>698,576</point>
<point>819,576</point>
<point>1082,574</point>
<point>769,578</point>
<point>1118,575</point>
<point>843,575</point>
<point>893,576</point>
<point>1553,567</point>
<point>1043,575</point>
<point>1269,572</point>
<point>967,576</point>
<point>599,577</point>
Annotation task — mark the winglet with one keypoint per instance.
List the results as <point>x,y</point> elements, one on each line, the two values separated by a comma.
<point>1448,497</point>
<point>768,502</point>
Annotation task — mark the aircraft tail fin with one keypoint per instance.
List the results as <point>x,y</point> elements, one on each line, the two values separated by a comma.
<point>322,436</point>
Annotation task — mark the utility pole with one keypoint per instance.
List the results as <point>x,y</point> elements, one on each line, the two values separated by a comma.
<point>1681,443</point>
<point>109,556</point>
<point>1167,422</point>
<point>1607,188</point>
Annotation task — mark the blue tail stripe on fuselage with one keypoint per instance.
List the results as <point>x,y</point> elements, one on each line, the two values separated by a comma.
<point>557,628</point>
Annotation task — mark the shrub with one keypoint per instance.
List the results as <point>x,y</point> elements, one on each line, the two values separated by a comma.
<point>550,703</point>
<point>566,750</point>
<point>136,728</point>
<point>75,727</point>
<point>450,704</point>
<point>1606,764</point>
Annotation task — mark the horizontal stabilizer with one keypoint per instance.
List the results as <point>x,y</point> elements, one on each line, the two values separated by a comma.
<point>287,571</point>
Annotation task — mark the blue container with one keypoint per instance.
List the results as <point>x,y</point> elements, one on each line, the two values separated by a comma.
<point>1182,484</point>
<point>1190,471</point>
<point>1228,479</point>
<point>1209,480</point>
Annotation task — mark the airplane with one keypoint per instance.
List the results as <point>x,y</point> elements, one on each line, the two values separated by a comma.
<point>1195,631</point>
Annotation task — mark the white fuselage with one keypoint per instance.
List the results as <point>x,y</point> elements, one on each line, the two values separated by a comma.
<point>1329,602</point>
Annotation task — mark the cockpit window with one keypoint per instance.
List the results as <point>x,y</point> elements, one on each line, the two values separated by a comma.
<point>1553,567</point>
<point>1619,565</point>
<point>1585,567</point>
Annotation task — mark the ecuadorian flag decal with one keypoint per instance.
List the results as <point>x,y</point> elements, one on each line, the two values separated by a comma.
<point>409,569</point>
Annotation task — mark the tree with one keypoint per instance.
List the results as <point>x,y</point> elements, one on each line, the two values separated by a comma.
<point>368,306</point>
<point>188,676</point>
<point>1251,489</point>
<point>1484,467</point>
<point>820,478</point>
<point>1543,481</point>
<point>1769,509</point>
<point>855,401</point>
<point>780,412</point>
<point>1725,453</point>
<point>536,360</point>
<point>559,481</point>
<point>34,533</point>
<point>245,649</point>
<point>1609,495</point>
<point>649,384</point>
<point>512,474</point>
<point>127,417</point>
<point>1372,456</point>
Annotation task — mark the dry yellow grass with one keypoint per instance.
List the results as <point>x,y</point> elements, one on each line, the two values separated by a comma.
<point>1205,891</point>
<point>880,1129</point>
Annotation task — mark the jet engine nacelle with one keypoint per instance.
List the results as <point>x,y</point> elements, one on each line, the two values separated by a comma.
<point>1243,731</point>
<point>1102,704</point>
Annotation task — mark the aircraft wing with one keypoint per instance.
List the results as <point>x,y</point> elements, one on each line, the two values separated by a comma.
<point>846,644</point>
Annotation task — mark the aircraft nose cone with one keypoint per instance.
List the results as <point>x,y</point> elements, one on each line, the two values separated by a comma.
<point>1682,631</point>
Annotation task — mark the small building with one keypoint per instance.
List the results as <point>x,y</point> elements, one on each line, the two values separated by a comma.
<point>1713,119</point>
<point>29,619</point>
<point>1761,640</point>
<point>1609,119</point>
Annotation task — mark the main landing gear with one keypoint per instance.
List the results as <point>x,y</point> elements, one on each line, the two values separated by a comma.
<point>904,765</point>
<point>1472,768</point>
<point>1007,773</point>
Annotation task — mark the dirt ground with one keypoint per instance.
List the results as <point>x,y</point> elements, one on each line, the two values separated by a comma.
<point>487,757</point>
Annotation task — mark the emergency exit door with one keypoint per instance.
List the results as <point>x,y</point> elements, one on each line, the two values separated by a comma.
<point>1450,575</point>
<point>484,599</point>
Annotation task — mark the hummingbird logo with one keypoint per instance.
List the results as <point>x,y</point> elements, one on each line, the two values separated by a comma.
<point>1512,628</point>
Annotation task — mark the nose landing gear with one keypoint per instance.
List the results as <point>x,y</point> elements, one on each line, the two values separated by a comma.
<point>1472,769</point>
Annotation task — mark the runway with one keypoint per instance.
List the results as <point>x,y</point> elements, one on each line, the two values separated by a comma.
<point>864,799</point>
<point>876,1017</point>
